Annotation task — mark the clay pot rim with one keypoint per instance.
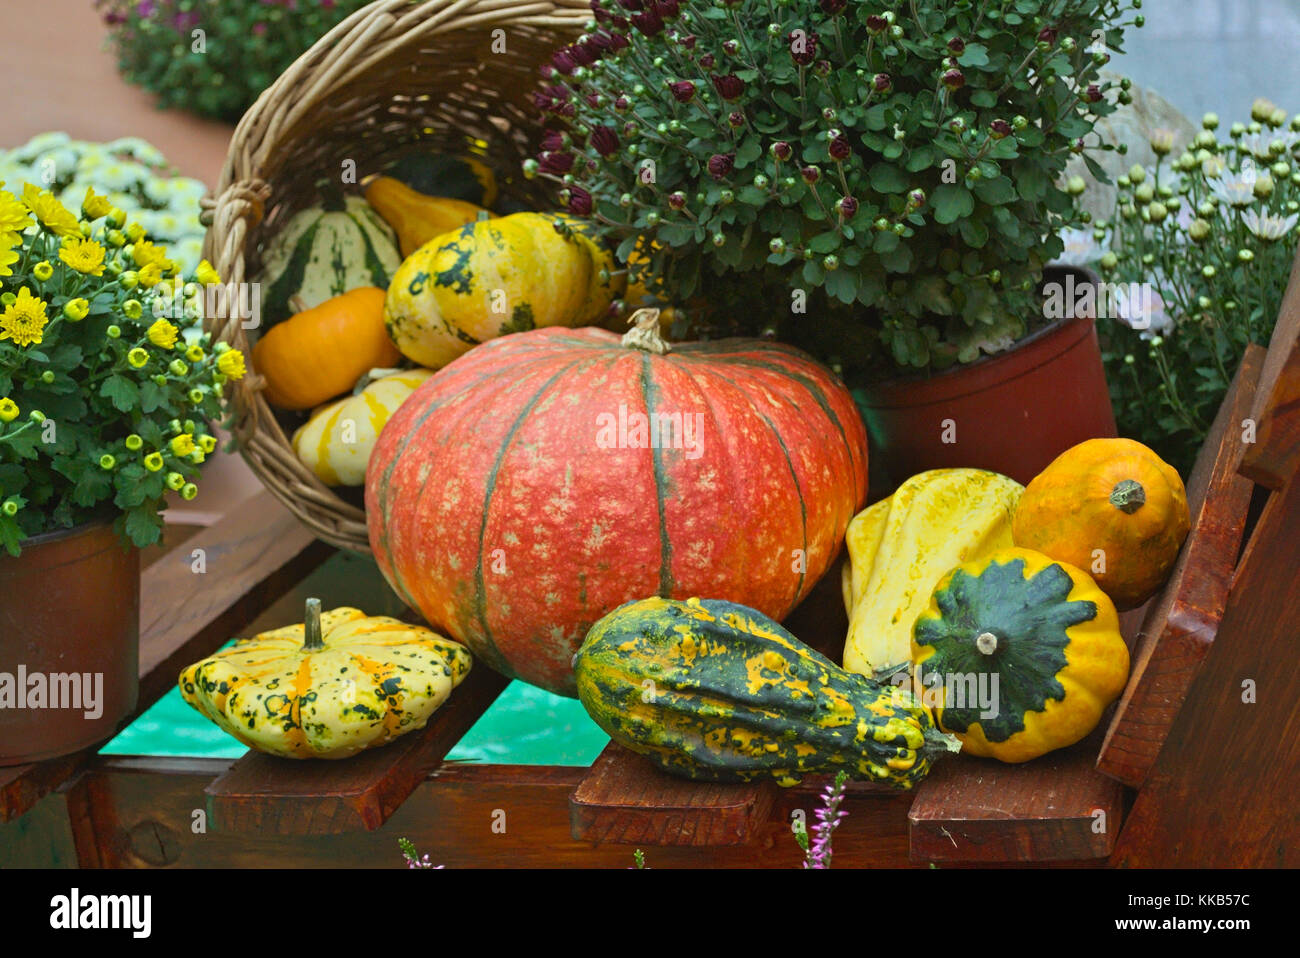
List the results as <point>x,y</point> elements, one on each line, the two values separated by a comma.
<point>55,535</point>
<point>988,371</point>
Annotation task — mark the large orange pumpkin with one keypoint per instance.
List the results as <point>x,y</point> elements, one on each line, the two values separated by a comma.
<point>522,492</point>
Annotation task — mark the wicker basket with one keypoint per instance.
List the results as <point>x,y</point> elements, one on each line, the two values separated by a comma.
<point>392,74</point>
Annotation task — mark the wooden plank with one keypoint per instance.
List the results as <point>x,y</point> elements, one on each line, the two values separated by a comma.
<point>1222,792</point>
<point>1275,455</point>
<point>141,813</point>
<point>251,558</point>
<point>261,794</point>
<point>1054,809</point>
<point>1182,622</point>
<point>41,838</point>
<point>624,798</point>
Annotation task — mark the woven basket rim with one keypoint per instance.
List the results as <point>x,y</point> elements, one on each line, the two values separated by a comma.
<point>365,41</point>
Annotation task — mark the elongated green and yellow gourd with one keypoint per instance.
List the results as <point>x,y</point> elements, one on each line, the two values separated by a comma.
<point>712,690</point>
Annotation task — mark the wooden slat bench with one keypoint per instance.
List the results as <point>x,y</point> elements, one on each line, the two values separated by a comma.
<point>1198,763</point>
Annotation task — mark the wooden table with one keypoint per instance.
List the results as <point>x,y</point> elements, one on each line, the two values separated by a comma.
<point>1197,765</point>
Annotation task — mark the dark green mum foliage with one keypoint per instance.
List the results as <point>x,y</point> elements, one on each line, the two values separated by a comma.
<point>876,180</point>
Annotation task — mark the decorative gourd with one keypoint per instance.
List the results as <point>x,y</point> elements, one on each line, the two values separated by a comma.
<point>321,253</point>
<point>417,217</point>
<point>337,440</point>
<point>901,546</point>
<point>1113,507</point>
<point>328,688</point>
<point>322,352</point>
<point>712,690</point>
<point>493,277</point>
<point>1038,628</point>
<point>458,177</point>
<point>520,494</point>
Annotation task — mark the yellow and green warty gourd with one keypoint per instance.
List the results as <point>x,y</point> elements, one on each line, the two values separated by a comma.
<point>1043,629</point>
<point>341,682</point>
<point>336,442</point>
<point>493,277</point>
<point>716,691</point>
<point>901,546</point>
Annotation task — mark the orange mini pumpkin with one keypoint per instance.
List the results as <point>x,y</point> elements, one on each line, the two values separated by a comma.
<point>321,352</point>
<point>1112,495</point>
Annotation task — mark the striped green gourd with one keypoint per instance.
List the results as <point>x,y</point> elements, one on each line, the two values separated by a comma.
<point>716,691</point>
<point>321,253</point>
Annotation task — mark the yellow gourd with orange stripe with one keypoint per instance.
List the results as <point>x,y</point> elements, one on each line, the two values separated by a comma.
<point>336,442</point>
<point>340,682</point>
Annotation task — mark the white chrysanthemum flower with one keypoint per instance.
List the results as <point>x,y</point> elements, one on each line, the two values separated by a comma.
<point>141,150</point>
<point>1268,226</point>
<point>1148,314</point>
<point>122,176</point>
<point>1257,145</point>
<point>1081,248</point>
<point>159,190</point>
<point>187,253</point>
<point>1235,188</point>
<point>39,144</point>
<point>185,195</point>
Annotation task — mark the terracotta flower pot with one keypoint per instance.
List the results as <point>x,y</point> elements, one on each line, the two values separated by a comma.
<point>1012,413</point>
<point>69,642</point>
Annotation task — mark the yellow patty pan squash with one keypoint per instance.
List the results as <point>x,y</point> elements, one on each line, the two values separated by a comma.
<point>336,442</point>
<point>1018,654</point>
<point>339,683</point>
<point>493,277</point>
<point>901,546</point>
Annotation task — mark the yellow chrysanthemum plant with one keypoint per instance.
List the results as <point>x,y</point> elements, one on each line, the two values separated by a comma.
<point>108,384</point>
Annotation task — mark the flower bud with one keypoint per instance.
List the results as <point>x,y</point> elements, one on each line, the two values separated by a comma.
<point>683,91</point>
<point>781,151</point>
<point>954,79</point>
<point>189,491</point>
<point>720,165</point>
<point>811,174</point>
<point>839,148</point>
<point>999,129</point>
<point>107,462</point>
<point>174,481</point>
<point>847,207</point>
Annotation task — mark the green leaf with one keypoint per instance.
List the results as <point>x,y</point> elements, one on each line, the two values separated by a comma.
<point>995,191</point>
<point>975,55</point>
<point>143,525</point>
<point>951,202</point>
<point>123,393</point>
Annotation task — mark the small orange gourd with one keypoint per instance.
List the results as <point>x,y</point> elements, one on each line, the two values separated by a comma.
<point>417,217</point>
<point>321,352</point>
<point>1112,507</point>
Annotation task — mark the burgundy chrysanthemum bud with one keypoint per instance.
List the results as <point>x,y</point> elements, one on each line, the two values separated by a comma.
<point>876,24</point>
<point>730,87</point>
<point>622,104</point>
<point>542,101</point>
<point>582,54</point>
<point>593,100</point>
<point>632,6</point>
<point>563,61</point>
<point>954,79</point>
<point>604,141</point>
<point>730,47</point>
<point>618,41</point>
<point>832,7</point>
<point>648,22</point>
<point>599,42</point>
<point>781,151</point>
<point>803,46</point>
<point>1093,93</point>
<point>688,41</point>
<point>999,128</point>
<point>579,201</point>
<point>839,148</point>
<point>667,9</point>
<point>683,91</point>
<point>882,83</point>
<point>566,110</point>
<point>735,119</point>
<point>915,199</point>
<point>822,68</point>
<point>599,12</point>
<point>677,200</point>
<point>847,207</point>
<point>957,46</point>
<point>810,174</point>
<point>552,140</point>
<point>707,61</point>
<point>547,71</point>
<point>1047,35</point>
<point>721,165</point>
<point>556,162</point>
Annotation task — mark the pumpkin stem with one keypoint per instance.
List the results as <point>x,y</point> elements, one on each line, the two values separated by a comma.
<point>986,642</point>
<point>1128,496</point>
<point>644,333</point>
<point>311,627</point>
